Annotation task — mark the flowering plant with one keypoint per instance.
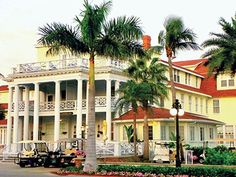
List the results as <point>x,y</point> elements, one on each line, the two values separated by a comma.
<point>80,153</point>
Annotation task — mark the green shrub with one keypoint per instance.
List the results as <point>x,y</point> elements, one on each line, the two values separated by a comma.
<point>191,171</point>
<point>218,156</point>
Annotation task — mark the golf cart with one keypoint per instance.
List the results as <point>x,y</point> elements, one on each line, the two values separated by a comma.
<point>65,152</point>
<point>33,153</point>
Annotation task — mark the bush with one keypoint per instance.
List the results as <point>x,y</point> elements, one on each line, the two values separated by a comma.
<point>190,171</point>
<point>218,156</point>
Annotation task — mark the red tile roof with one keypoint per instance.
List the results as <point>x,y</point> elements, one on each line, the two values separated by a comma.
<point>3,122</point>
<point>3,87</point>
<point>199,90</point>
<point>189,62</point>
<point>162,113</point>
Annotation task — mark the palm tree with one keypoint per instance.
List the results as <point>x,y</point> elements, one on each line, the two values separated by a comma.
<point>94,36</point>
<point>151,79</point>
<point>176,37</point>
<point>222,57</point>
<point>129,91</point>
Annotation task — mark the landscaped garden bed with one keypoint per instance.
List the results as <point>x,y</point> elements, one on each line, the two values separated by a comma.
<point>153,171</point>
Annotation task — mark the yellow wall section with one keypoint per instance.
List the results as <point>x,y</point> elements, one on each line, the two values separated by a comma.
<point>4,96</point>
<point>227,110</point>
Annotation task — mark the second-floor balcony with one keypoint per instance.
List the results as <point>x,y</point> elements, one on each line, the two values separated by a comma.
<point>63,64</point>
<point>68,105</point>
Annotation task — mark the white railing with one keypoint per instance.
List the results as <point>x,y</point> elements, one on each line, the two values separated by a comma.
<point>68,105</point>
<point>67,64</point>
<point>46,106</point>
<point>100,101</point>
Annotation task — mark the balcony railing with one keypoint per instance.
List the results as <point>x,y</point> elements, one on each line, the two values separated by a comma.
<point>66,64</point>
<point>68,105</point>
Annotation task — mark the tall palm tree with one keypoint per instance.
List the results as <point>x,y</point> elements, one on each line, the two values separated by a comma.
<point>222,55</point>
<point>176,37</point>
<point>129,91</point>
<point>94,36</point>
<point>150,74</point>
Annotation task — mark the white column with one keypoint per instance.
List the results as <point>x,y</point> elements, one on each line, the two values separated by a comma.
<point>57,111</point>
<point>224,133</point>
<point>26,114</point>
<point>117,95</point>
<point>87,90</point>
<point>79,108</point>
<point>36,112</point>
<point>9,119</point>
<point>108,108</point>
<point>186,134</point>
<point>16,117</point>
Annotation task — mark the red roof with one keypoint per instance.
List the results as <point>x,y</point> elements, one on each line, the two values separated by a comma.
<point>199,90</point>
<point>3,87</point>
<point>3,122</point>
<point>162,113</point>
<point>3,105</point>
<point>189,62</point>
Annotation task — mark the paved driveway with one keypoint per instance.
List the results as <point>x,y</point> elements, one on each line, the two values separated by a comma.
<point>9,169</point>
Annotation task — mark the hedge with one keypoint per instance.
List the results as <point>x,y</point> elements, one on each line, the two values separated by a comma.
<point>190,171</point>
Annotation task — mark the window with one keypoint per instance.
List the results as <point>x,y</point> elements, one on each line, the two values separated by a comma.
<point>196,104</point>
<point>192,133</point>
<point>202,134</point>
<point>187,79</point>
<point>63,95</point>
<point>211,133</point>
<point>206,106</point>
<point>231,82</point>
<point>150,132</point>
<point>196,81</point>
<point>216,106</point>
<point>223,83</point>
<point>163,132</point>
<point>201,105</point>
<point>176,76</point>
<point>190,103</point>
<point>162,103</point>
<point>182,100</point>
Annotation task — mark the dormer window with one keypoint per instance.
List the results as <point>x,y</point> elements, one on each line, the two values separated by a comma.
<point>223,83</point>
<point>231,82</point>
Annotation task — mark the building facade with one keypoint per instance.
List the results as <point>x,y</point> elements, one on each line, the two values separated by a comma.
<point>47,101</point>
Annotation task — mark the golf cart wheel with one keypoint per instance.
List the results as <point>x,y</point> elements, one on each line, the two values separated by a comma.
<point>22,165</point>
<point>46,163</point>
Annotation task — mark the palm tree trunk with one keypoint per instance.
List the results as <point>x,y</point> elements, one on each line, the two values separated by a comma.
<point>172,86</point>
<point>135,135</point>
<point>145,135</point>
<point>91,160</point>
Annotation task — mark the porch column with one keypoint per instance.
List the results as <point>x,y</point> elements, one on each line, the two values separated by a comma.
<point>36,112</point>
<point>117,95</point>
<point>16,116</point>
<point>186,133</point>
<point>9,118</point>
<point>26,115</point>
<point>108,108</point>
<point>57,111</point>
<point>79,108</point>
<point>86,120</point>
<point>224,133</point>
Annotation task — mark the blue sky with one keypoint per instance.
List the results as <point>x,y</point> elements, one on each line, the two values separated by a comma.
<point>19,21</point>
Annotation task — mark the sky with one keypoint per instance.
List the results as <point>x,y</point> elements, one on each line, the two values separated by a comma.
<point>20,20</point>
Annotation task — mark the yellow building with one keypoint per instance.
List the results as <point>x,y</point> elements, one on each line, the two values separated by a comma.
<point>52,95</point>
<point>3,114</point>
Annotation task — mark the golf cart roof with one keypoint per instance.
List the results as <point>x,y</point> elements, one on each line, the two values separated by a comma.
<point>31,141</point>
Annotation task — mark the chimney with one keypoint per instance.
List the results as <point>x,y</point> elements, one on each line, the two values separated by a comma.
<point>146,41</point>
